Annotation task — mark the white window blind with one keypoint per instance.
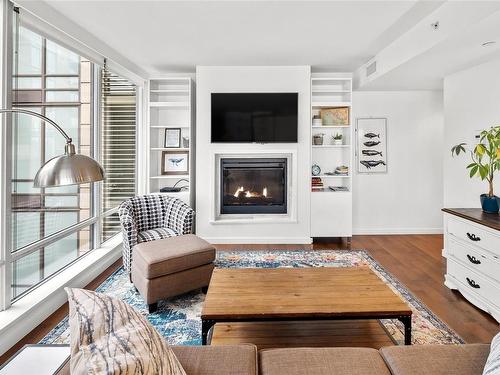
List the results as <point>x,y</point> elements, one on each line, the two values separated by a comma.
<point>118,145</point>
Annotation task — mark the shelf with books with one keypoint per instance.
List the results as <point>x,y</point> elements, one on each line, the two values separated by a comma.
<point>331,150</point>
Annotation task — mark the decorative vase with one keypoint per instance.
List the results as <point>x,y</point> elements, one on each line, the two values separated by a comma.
<point>490,205</point>
<point>337,141</point>
<point>317,121</point>
<point>318,139</point>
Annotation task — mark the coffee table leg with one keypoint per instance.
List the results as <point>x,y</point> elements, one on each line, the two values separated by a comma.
<point>406,320</point>
<point>205,329</point>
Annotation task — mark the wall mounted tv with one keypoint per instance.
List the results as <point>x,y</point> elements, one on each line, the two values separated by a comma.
<point>254,117</point>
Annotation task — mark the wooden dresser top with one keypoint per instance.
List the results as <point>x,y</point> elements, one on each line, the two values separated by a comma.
<point>476,215</point>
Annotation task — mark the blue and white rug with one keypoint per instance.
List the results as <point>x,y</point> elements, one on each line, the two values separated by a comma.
<point>178,319</point>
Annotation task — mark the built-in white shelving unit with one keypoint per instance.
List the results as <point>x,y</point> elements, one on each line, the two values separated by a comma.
<point>170,105</point>
<point>331,211</point>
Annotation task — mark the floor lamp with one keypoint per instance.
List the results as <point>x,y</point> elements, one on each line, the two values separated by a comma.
<point>67,169</point>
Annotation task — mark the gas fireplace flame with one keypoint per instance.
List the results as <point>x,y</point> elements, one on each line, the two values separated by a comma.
<point>247,193</point>
<point>238,191</point>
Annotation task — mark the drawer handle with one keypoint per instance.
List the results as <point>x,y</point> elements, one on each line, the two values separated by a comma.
<point>473,237</point>
<point>473,259</point>
<point>472,283</point>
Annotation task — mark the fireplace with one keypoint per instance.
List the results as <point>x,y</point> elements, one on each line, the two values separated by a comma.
<point>253,186</point>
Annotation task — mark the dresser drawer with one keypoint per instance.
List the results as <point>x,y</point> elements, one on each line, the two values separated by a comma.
<point>475,258</point>
<point>473,282</point>
<point>474,235</point>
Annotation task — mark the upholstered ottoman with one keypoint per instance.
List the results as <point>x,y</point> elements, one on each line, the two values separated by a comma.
<point>172,266</point>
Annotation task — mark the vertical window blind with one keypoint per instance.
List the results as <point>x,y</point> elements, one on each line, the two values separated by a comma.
<point>118,146</point>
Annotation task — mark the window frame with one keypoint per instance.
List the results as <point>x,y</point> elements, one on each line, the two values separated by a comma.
<point>46,30</point>
<point>6,47</point>
<point>45,106</point>
<point>95,221</point>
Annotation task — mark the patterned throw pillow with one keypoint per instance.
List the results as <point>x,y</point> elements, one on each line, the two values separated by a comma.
<point>110,337</point>
<point>492,366</point>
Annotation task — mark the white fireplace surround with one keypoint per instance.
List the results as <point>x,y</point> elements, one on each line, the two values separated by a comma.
<point>292,227</point>
<point>215,178</point>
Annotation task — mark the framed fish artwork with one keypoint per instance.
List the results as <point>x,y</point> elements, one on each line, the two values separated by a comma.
<point>371,145</point>
<point>174,162</point>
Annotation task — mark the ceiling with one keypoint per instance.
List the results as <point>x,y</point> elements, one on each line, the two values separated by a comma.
<point>466,26</point>
<point>155,37</point>
<point>175,36</point>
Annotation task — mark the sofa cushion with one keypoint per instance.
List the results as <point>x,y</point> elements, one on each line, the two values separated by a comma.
<point>218,360</point>
<point>322,361</point>
<point>493,362</point>
<point>436,359</point>
<point>155,234</point>
<point>110,337</point>
<point>163,257</point>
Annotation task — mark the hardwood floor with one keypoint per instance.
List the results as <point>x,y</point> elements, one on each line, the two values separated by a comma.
<point>414,259</point>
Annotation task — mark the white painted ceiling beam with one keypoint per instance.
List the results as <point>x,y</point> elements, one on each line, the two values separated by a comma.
<point>396,64</point>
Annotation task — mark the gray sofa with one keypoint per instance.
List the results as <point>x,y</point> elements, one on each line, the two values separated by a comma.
<point>397,360</point>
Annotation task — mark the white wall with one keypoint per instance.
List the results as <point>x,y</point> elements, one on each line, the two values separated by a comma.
<point>407,199</point>
<point>252,79</point>
<point>471,103</point>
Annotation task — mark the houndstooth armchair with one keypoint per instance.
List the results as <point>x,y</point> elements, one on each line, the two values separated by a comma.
<point>152,217</point>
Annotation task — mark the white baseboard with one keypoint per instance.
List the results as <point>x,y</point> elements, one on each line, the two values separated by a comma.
<point>388,231</point>
<point>307,240</point>
<point>31,310</point>
<point>259,240</point>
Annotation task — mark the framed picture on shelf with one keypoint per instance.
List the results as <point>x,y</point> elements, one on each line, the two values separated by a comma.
<point>174,162</point>
<point>371,145</point>
<point>334,116</point>
<point>173,138</point>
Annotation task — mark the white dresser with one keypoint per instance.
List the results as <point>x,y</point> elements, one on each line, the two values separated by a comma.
<point>472,252</point>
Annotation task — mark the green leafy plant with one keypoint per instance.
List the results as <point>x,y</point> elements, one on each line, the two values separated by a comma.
<point>485,156</point>
<point>337,136</point>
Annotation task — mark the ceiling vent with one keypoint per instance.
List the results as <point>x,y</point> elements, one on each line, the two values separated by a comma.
<point>371,68</point>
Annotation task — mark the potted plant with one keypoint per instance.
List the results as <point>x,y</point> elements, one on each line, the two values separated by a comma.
<point>485,162</point>
<point>337,139</point>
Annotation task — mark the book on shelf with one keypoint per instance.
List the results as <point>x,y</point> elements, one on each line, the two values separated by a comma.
<point>317,184</point>
<point>338,188</point>
<point>316,181</point>
<point>342,170</point>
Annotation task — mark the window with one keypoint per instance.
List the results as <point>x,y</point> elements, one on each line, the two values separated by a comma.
<point>118,151</point>
<point>52,227</point>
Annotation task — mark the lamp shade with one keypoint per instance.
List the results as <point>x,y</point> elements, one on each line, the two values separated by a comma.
<point>69,169</point>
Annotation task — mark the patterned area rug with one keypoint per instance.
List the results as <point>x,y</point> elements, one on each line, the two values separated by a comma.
<point>178,319</point>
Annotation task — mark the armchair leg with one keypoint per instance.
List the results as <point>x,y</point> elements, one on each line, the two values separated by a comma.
<point>153,307</point>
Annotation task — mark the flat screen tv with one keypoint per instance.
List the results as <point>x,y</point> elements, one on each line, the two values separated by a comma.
<point>254,117</point>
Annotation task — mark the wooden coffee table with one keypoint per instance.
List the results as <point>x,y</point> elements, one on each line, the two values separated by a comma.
<point>295,294</point>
